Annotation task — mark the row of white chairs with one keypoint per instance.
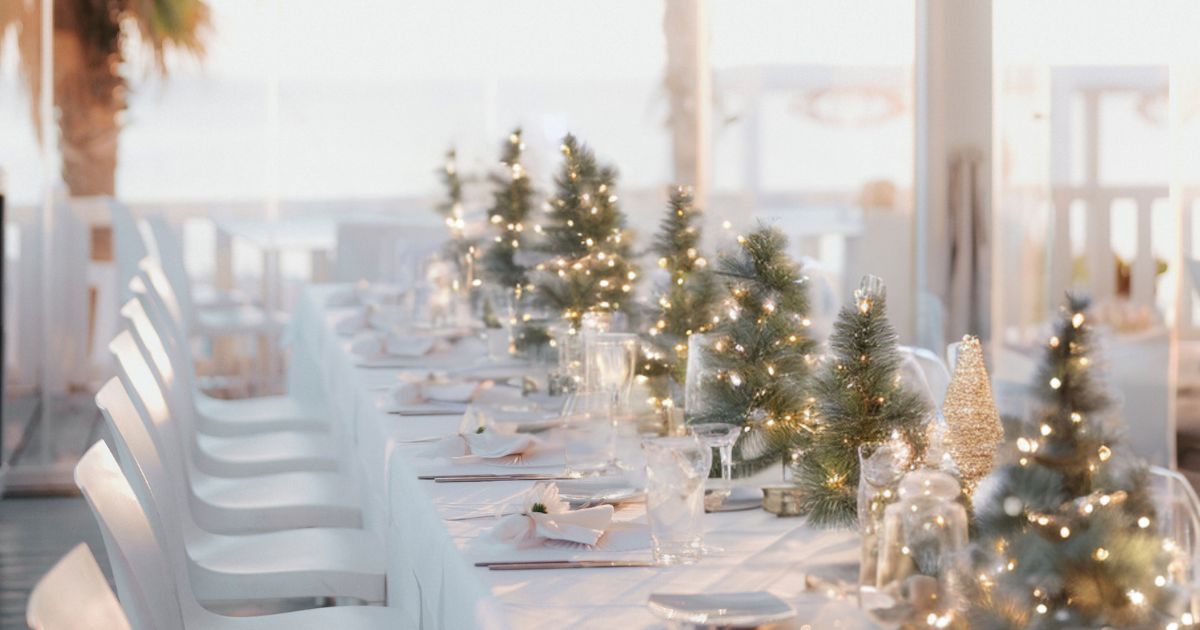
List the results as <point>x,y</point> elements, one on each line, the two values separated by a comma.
<point>210,503</point>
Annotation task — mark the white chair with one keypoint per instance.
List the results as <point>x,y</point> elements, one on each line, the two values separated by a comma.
<point>130,247</point>
<point>234,456</point>
<point>218,416</point>
<point>157,597</point>
<point>312,562</point>
<point>74,595</point>
<point>234,505</point>
<point>219,319</point>
<point>928,370</point>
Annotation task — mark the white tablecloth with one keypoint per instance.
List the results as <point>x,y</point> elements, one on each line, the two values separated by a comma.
<point>431,576</point>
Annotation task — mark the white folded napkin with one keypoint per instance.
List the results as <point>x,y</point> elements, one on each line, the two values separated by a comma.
<point>547,517</point>
<point>413,392</point>
<point>374,343</point>
<point>353,322</point>
<point>486,445</point>
<point>345,296</point>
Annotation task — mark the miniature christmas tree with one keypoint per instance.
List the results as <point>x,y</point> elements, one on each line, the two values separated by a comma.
<point>589,269</point>
<point>512,203</point>
<point>973,429</point>
<point>760,355</point>
<point>860,400</point>
<point>460,250</point>
<point>1066,533</point>
<point>686,303</point>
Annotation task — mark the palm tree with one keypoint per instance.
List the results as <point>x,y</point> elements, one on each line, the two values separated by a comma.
<point>89,90</point>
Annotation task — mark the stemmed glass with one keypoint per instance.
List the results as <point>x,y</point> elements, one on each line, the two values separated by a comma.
<point>721,436</point>
<point>610,361</point>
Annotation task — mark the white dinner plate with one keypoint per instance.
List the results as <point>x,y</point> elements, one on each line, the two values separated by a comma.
<point>721,609</point>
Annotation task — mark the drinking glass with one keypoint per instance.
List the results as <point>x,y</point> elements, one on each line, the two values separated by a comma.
<point>676,468</point>
<point>568,377</point>
<point>698,373</point>
<point>587,433</point>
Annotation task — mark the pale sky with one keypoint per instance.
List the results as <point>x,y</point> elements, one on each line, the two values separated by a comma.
<point>362,111</point>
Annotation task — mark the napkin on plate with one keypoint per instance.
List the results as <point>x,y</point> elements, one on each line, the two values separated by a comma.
<point>352,322</point>
<point>374,344</point>
<point>414,392</point>
<point>547,517</point>
<point>486,445</point>
<point>345,296</point>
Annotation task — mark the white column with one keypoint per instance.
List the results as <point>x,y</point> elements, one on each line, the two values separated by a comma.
<point>50,377</point>
<point>689,91</point>
<point>953,115</point>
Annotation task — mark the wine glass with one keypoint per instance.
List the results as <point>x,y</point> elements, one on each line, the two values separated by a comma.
<point>610,362</point>
<point>721,436</point>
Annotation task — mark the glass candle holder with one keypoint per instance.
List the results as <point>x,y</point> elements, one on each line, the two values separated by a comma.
<point>881,466</point>
<point>921,548</point>
<point>676,468</point>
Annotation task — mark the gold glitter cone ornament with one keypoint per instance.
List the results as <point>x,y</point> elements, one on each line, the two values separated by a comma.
<point>973,429</point>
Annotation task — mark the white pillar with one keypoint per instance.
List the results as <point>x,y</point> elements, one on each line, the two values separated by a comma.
<point>689,91</point>
<point>953,117</point>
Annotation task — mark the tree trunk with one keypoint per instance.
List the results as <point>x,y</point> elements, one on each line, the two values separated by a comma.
<point>89,94</point>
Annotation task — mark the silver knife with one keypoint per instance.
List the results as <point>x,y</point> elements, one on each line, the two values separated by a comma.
<point>568,564</point>
<point>490,477</point>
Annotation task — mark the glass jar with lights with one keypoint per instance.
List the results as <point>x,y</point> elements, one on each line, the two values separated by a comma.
<point>921,547</point>
<point>881,466</point>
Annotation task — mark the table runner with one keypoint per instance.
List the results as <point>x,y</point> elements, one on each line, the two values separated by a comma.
<point>431,576</point>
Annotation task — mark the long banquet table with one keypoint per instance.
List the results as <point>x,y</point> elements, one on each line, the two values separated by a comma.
<point>431,573</point>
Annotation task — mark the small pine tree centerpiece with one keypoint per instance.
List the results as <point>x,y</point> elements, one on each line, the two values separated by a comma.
<point>1066,534</point>
<point>589,268</point>
<point>859,400</point>
<point>759,355</point>
<point>512,204</point>
<point>686,303</point>
<point>460,250</point>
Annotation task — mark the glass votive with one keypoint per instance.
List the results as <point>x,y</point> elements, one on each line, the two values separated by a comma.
<point>676,468</point>
<point>921,545</point>
<point>880,468</point>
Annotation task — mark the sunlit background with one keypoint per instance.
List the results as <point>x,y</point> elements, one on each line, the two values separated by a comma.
<point>304,108</point>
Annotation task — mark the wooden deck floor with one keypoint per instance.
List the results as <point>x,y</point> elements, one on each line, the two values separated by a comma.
<point>34,534</point>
